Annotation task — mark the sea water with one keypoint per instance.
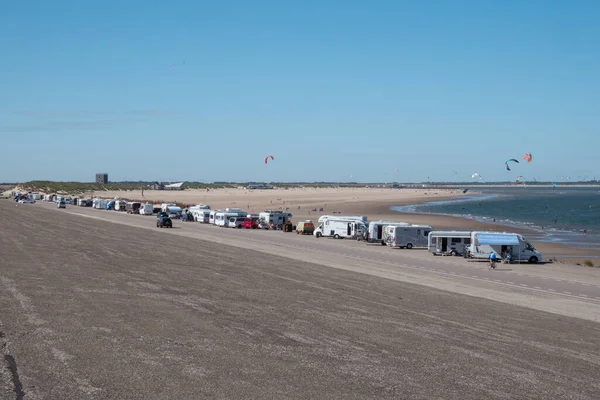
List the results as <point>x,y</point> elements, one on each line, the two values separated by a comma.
<point>563,215</point>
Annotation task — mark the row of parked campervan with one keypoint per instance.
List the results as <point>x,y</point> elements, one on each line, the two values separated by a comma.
<point>389,233</point>
<point>405,235</point>
<point>238,218</point>
<point>479,244</point>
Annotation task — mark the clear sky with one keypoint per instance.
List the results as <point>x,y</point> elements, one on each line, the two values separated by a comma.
<point>336,90</point>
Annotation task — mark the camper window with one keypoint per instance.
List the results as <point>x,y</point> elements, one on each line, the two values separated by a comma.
<point>425,233</point>
<point>456,240</point>
<point>529,247</point>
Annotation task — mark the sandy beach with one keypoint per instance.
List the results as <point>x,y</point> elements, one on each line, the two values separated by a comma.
<point>375,203</point>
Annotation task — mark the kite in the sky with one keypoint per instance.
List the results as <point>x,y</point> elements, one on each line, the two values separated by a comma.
<point>507,161</point>
<point>267,158</point>
<point>527,157</point>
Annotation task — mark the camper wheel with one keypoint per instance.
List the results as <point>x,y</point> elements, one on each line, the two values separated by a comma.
<point>383,243</point>
<point>409,246</point>
<point>318,235</point>
<point>336,236</point>
<point>453,253</point>
<point>533,259</point>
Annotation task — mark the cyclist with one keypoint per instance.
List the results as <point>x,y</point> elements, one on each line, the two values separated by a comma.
<point>492,257</point>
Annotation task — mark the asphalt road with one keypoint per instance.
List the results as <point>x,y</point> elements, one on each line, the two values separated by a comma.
<point>91,309</point>
<point>565,289</point>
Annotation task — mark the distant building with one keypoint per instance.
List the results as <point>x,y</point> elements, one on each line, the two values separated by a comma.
<point>102,179</point>
<point>175,186</point>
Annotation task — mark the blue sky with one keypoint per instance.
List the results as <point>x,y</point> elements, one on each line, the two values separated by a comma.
<point>335,90</point>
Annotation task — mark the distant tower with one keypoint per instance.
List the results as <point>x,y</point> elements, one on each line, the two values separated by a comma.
<point>102,179</point>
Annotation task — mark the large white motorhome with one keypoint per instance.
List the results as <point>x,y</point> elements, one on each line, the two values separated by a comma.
<point>211,216</point>
<point>340,226</point>
<point>274,217</point>
<point>376,230</point>
<point>221,217</point>
<point>482,244</point>
<point>200,213</point>
<point>406,236</point>
<point>448,242</point>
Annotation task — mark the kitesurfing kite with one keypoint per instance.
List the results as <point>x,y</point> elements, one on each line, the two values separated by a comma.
<point>267,158</point>
<point>527,157</point>
<point>506,163</point>
<point>476,175</point>
<point>520,179</point>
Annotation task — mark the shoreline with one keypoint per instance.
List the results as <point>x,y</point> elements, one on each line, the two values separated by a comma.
<point>560,252</point>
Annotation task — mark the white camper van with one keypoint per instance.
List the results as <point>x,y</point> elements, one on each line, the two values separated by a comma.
<point>236,222</point>
<point>406,236</point>
<point>482,244</point>
<point>147,209</point>
<point>164,207</point>
<point>448,242</point>
<point>376,230</point>
<point>340,227</point>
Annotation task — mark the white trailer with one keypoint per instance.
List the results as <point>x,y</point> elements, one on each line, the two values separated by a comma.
<point>340,227</point>
<point>448,242</point>
<point>406,236</point>
<point>483,243</point>
<point>376,229</point>
<point>146,209</point>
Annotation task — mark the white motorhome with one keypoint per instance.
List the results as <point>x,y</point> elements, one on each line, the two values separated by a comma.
<point>147,209</point>
<point>406,236</point>
<point>448,242</point>
<point>376,230</point>
<point>201,214</point>
<point>221,217</point>
<point>340,227</point>
<point>274,217</point>
<point>211,216</point>
<point>482,244</point>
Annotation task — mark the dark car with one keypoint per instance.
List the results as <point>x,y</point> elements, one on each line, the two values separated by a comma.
<point>164,221</point>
